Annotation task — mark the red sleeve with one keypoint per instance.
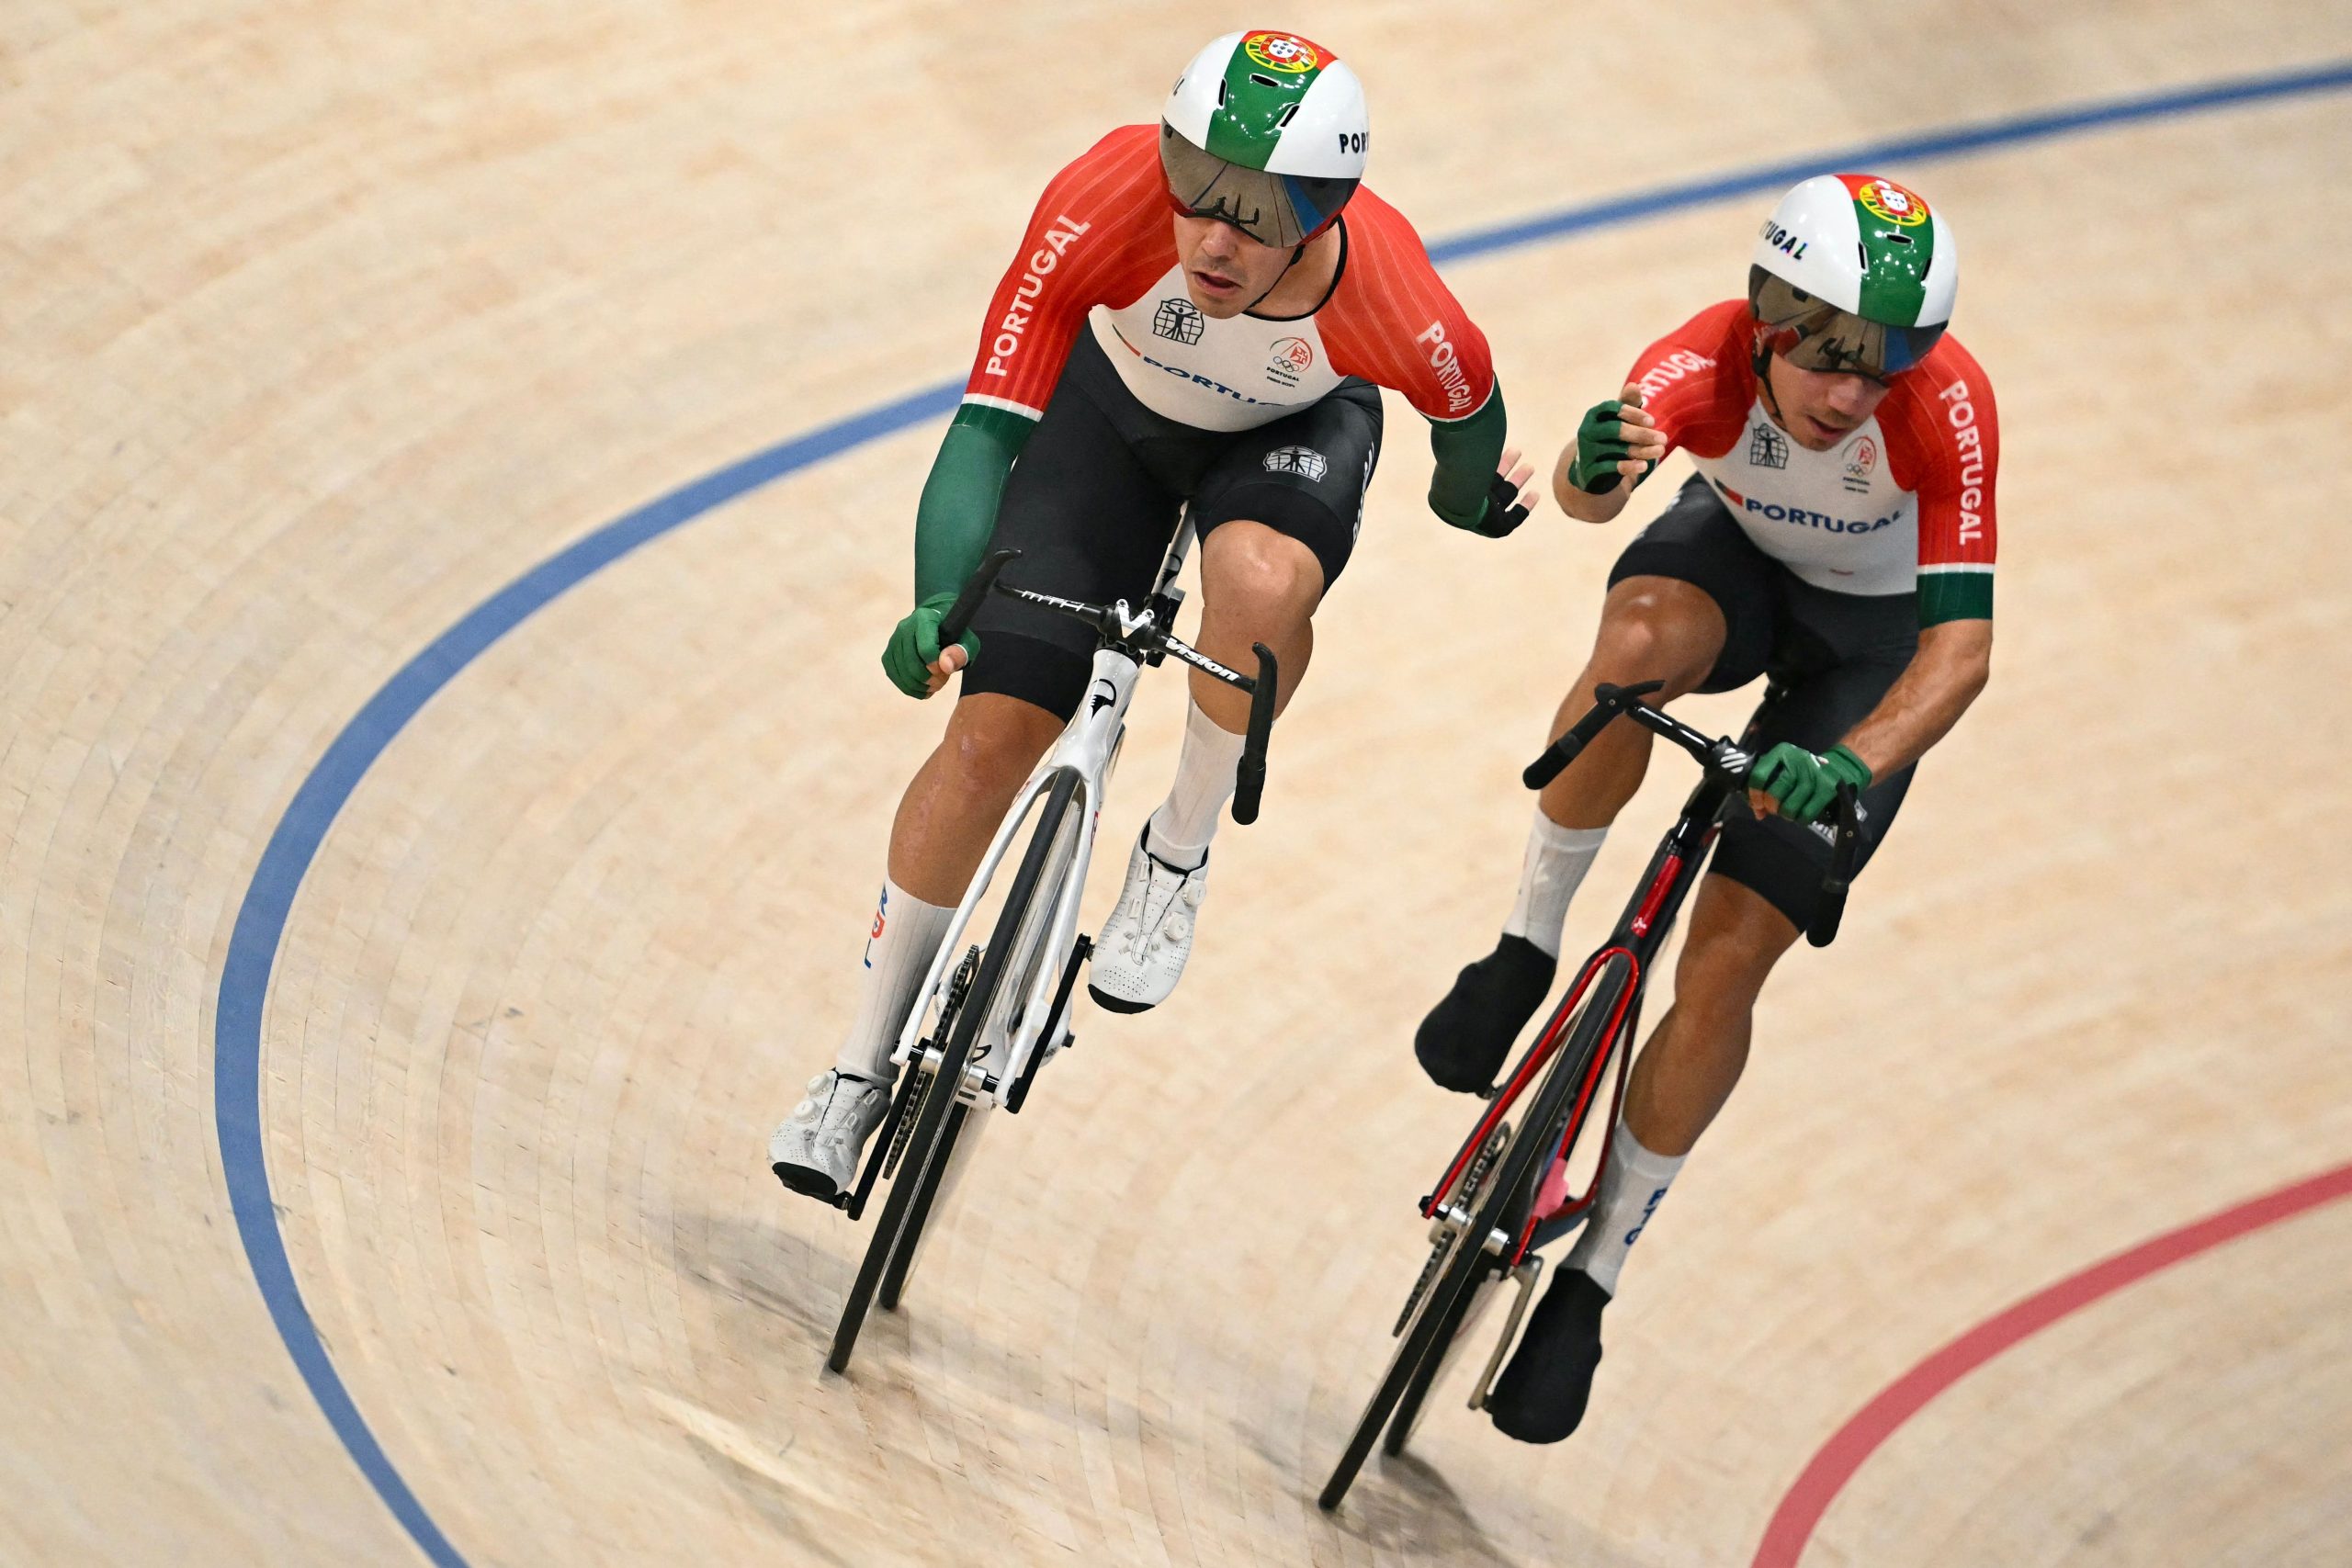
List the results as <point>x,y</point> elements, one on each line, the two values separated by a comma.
<point>1099,235</point>
<point>1698,380</point>
<point>1393,322</point>
<point>1943,443</point>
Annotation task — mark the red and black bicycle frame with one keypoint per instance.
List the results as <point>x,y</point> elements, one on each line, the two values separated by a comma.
<point>1641,931</point>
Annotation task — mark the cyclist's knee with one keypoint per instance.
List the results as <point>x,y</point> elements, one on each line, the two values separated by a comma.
<point>993,740</point>
<point>1737,936</point>
<point>1248,569</point>
<point>1658,628</point>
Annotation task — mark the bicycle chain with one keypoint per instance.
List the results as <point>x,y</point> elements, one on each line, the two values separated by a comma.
<point>1473,1182</point>
<point>957,985</point>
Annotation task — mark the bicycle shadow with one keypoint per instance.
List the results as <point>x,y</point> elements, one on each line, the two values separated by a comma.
<point>757,1266</point>
<point>1405,1504</point>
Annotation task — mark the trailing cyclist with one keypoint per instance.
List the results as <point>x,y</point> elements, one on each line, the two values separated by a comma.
<point>1200,315</point>
<point>1838,537</point>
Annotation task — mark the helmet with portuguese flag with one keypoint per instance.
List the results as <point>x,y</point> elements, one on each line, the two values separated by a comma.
<point>1854,273</point>
<point>1265,130</point>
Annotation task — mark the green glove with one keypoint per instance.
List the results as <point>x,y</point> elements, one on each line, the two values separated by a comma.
<point>913,646</point>
<point>1600,447</point>
<point>1803,784</point>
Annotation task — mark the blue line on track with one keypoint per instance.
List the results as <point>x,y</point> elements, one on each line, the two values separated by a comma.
<point>294,843</point>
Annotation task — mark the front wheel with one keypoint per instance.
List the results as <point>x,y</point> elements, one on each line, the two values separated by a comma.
<point>940,1111</point>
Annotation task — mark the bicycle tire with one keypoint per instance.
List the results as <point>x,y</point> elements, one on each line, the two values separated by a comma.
<point>1425,1376</point>
<point>962,1135</point>
<point>1437,1315</point>
<point>939,1097</point>
<point>902,1257</point>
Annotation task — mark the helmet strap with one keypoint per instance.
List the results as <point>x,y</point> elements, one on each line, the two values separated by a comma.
<point>1297,251</point>
<point>1760,358</point>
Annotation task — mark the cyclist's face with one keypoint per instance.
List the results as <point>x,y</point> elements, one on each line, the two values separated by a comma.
<point>1225,269</point>
<point>1821,408</point>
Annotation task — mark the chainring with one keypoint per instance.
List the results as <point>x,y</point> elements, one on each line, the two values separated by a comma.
<point>957,984</point>
<point>1474,1184</point>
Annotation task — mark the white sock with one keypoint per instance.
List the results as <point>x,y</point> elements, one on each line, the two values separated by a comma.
<point>898,951</point>
<point>1205,774</point>
<point>1557,859</point>
<point>1631,1188</point>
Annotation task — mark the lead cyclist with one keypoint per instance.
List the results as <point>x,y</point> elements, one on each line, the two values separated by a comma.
<point>1839,537</point>
<point>1200,314</point>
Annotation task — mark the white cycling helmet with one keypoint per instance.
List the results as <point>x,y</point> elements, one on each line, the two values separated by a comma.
<point>1265,130</point>
<point>1853,273</point>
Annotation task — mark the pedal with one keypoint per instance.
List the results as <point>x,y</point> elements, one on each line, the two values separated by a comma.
<point>1525,1275</point>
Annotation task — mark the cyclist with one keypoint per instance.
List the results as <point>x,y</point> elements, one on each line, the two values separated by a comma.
<point>1839,537</point>
<point>1200,314</point>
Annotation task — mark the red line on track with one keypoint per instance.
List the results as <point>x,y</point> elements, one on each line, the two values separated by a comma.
<point>1828,1471</point>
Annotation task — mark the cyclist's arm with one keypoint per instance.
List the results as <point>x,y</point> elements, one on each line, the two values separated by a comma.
<point>958,511</point>
<point>1392,321</point>
<point>1943,439</point>
<point>1694,385</point>
<point>1954,661</point>
<point>1582,504</point>
<point>1467,452</point>
<point>1098,232</point>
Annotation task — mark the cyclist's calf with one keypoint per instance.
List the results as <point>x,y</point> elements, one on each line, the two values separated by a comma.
<point>1695,1055</point>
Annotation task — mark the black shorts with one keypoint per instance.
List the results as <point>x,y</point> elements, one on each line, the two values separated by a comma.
<point>1832,655</point>
<point>1096,494</point>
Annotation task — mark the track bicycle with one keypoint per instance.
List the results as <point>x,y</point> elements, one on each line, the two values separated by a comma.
<point>1503,1197</point>
<point>984,1024</point>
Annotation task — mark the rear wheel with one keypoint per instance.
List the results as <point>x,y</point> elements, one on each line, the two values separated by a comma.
<point>939,1114</point>
<point>1500,1208</point>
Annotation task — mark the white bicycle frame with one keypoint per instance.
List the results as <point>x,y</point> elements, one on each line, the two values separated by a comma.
<point>1089,747</point>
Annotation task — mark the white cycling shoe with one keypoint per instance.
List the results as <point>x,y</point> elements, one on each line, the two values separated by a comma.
<point>1144,945</point>
<point>815,1149</point>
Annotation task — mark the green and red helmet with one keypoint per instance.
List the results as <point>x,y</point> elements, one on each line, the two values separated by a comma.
<point>1853,273</point>
<point>1266,131</point>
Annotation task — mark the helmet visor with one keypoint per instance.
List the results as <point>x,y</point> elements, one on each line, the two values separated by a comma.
<point>1274,209</point>
<point>1812,334</point>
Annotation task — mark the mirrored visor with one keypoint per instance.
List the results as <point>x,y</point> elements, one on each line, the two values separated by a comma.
<point>1274,209</point>
<point>1812,334</point>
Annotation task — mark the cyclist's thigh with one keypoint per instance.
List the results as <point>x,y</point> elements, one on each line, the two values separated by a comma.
<point>1696,540</point>
<point>1304,476</point>
<point>1818,705</point>
<point>1090,521</point>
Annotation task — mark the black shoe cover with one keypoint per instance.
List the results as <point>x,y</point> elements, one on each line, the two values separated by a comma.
<point>1465,1040</point>
<point>1540,1397</point>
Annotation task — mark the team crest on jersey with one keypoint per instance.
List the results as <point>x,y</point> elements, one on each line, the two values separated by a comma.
<point>1767,447</point>
<point>1289,359</point>
<point>1178,321</point>
<point>1861,466</point>
<point>1304,461</point>
<point>1286,53</point>
<point>1893,203</point>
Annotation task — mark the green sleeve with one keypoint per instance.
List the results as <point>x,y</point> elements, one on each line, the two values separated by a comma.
<point>958,513</point>
<point>1467,450</point>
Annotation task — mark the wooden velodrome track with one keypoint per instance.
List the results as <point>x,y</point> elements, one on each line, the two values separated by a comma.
<point>408,950</point>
